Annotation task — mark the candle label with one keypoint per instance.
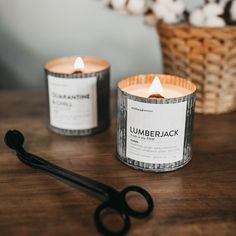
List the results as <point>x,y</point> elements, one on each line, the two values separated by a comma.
<point>155,132</point>
<point>73,102</point>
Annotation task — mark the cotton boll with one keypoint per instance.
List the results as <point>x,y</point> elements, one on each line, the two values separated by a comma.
<point>177,7</point>
<point>168,10</point>
<point>118,4</point>
<point>233,11</point>
<point>160,10</point>
<point>215,22</point>
<point>197,17</point>
<point>213,9</point>
<point>170,19</point>
<point>137,7</point>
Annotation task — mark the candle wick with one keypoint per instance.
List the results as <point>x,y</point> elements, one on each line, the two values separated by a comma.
<point>155,96</point>
<point>76,71</point>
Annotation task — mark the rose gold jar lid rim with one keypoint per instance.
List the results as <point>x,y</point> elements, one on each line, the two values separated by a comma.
<point>89,60</point>
<point>165,79</point>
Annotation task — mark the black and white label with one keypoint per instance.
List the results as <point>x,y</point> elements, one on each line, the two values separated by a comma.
<point>155,132</point>
<point>73,102</point>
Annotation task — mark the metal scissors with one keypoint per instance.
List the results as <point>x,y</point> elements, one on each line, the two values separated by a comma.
<point>114,200</point>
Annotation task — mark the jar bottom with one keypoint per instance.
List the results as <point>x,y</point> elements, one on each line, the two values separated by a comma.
<point>151,167</point>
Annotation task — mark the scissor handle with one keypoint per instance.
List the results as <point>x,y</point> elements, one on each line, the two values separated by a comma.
<point>120,205</point>
<point>99,220</point>
<point>135,213</point>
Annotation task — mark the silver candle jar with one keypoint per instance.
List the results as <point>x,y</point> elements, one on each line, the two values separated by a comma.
<point>78,101</point>
<point>155,134</point>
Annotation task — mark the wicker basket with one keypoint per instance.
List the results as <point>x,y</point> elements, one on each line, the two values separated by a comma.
<point>206,56</point>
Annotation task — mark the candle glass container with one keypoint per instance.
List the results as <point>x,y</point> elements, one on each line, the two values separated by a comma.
<point>155,134</point>
<point>78,102</point>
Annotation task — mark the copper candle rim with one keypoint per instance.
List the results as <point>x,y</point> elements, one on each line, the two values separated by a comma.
<point>70,59</point>
<point>164,78</point>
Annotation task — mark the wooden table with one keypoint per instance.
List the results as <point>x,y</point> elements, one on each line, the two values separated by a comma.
<point>199,199</point>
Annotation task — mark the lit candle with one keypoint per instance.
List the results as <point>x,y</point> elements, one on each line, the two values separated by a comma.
<point>73,64</point>
<point>79,64</point>
<point>155,114</point>
<point>157,90</point>
<point>78,92</point>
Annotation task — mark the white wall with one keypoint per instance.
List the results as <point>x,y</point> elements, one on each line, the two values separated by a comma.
<point>34,31</point>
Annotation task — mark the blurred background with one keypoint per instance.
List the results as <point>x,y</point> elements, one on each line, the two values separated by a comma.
<point>33,32</point>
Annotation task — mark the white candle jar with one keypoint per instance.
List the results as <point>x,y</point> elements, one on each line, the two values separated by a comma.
<point>79,101</point>
<point>155,134</point>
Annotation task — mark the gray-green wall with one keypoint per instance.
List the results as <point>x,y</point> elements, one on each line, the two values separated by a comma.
<point>34,31</point>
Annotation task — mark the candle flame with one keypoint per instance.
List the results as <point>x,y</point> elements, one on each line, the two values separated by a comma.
<point>79,64</point>
<point>156,89</point>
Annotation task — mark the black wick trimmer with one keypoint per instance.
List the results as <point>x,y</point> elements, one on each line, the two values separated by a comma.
<point>114,200</point>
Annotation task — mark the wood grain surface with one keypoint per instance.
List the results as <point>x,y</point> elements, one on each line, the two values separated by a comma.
<point>199,199</point>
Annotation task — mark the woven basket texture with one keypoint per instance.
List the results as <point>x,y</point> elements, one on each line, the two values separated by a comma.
<point>207,57</point>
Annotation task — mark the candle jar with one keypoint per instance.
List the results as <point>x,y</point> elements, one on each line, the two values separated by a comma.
<point>155,134</point>
<point>78,101</point>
